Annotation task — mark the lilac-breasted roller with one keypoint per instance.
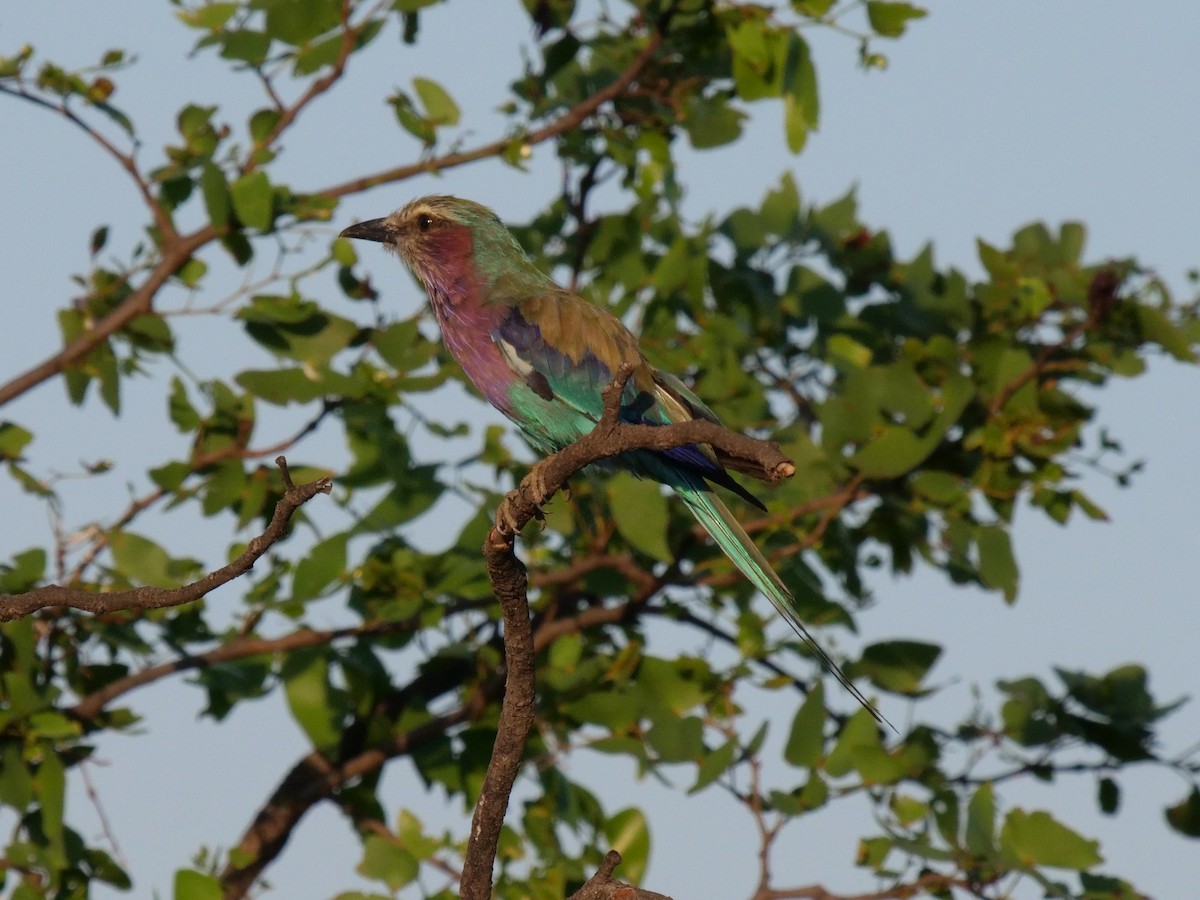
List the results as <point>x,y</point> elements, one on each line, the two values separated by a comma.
<point>542,355</point>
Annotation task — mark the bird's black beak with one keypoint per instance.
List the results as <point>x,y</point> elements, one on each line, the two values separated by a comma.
<point>372,230</point>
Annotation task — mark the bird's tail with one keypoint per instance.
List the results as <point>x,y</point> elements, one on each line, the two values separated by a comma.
<point>732,538</point>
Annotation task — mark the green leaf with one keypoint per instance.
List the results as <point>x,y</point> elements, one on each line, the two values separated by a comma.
<point>897,666</point>
<point>781,207</point>
<point>813,8</point>
<point>890,19</point>
<point>216,195</point>
<point>802,108</point>
<point>413,838</point>
<point>16,784</point>
<point>246,45</point>
<point>981,822</point>
<point>1108,795</point>
<point>180,409</point>
<point>262,124</point>
<point>192,272</point>
<point>670,274</point>
<point>1036,839</point>
<point>53,725</point>
<point>13,439</point>
<point>299,21</point>
<point>640,512</point>
<point>859,732</point>
<point>321,565</point>
<point>253,200</point>
<point>1071,238</point>
<point>291,326</point>
<point>1158,328</point>
<point>440,108</point>
<point>192,885</point>
<point>714,765</point>
<point>281,386</point>
<point>405,502</point>
<point>676,739</point>
<point>997,565</point>
<point>384,860</point>
<point>712,122</point>
<point>411,120</point>
<point>899,450</point>
<point>209,16</point>
<point>143,561</point>
<point>806,740</point>
<point>629,834</point>
<point>1184,816</point>
<point>608,709</point>
<point>566,652</point>
<point>52,796</point>
<point>747,39</point>
<point>108,376</point>
<point>311,698</point>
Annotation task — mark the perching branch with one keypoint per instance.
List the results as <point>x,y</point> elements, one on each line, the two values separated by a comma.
<point>14,606</point>
<point>611,437</point>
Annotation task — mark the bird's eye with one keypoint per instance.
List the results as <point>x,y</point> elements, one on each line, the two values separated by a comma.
<point>424,222</point>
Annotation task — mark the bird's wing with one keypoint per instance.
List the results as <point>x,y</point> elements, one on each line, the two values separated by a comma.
<point>559,343</point>
<point>568,350</point>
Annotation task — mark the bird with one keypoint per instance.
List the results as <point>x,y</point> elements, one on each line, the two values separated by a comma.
<point>542,355</point>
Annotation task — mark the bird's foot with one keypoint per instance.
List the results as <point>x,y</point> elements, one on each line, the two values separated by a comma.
<point>537,491</point>
<point>507,520</point>
<point>532,493</point>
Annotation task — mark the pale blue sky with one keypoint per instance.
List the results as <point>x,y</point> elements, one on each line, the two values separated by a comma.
<point>992,114</point>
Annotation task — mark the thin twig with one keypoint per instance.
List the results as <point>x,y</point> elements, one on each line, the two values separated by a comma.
<point>125,160</point>
<point>105,824</point>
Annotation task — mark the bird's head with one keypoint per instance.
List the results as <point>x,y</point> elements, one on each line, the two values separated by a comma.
<point>443,239</point>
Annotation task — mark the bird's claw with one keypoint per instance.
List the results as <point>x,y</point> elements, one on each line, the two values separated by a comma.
<point>538,492</point>
<point>533,491</point>
<point>507,521</point>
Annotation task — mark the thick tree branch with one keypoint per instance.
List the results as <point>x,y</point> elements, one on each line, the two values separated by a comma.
<point>315,778</point>
<point>509,582</point>
<point>14,606</point>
